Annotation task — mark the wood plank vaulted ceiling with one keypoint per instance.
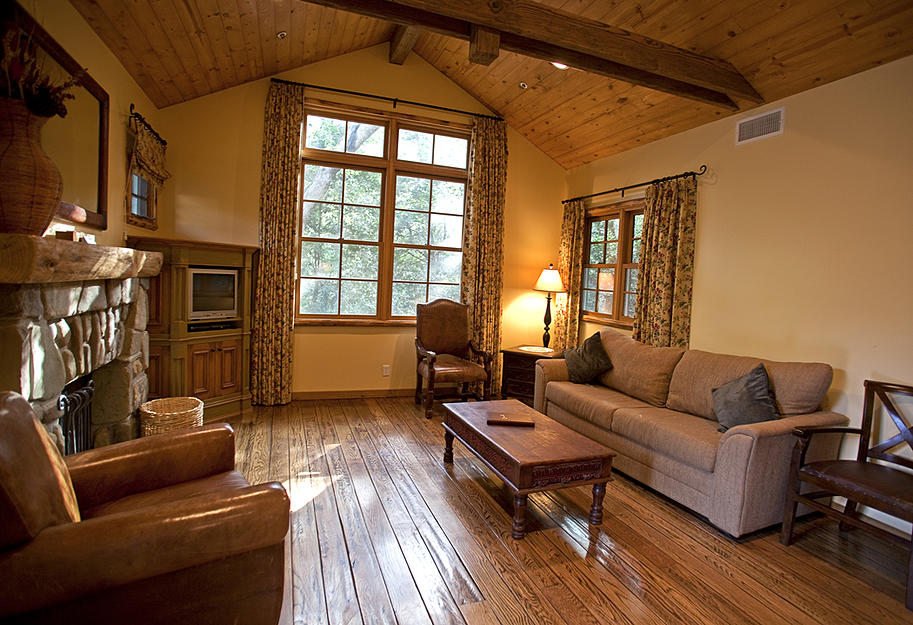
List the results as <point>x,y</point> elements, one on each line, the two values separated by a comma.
<point>178,50</point>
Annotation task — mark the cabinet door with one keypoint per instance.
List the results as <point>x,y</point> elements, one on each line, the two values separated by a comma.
<point>201,365</point>
<point>159,302</point>
<point>229,369</point>
<point>158,372</point>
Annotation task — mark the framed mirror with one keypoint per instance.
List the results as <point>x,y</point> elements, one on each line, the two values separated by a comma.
<point>77,143</point>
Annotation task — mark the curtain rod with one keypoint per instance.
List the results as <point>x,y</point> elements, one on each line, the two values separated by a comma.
<point>395,101</point>
<point>699,172</point>
<point>143,121</point>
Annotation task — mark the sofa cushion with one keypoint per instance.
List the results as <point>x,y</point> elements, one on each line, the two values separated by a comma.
<point>799,387</point>
<point>681,436</point>
<point>590,402</point>
<point>747,399</point>
<point>639,370</point>
<point>587,361</point>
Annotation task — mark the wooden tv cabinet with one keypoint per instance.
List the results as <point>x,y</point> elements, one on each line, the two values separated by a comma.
<point>209,359</point>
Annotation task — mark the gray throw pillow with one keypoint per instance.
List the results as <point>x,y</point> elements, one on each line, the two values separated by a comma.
<point>587,361</point>
<point>747,399</point>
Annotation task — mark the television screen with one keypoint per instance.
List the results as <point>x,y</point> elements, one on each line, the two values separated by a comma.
<point>212,293</point>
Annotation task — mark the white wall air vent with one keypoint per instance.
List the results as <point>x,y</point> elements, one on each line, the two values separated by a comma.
<point>761,126</point>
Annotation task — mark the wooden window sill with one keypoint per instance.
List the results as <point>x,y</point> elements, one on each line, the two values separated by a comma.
<point>381,323</point>
<point>614,323</point>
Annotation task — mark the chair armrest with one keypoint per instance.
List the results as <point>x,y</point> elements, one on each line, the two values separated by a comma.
<point>108,473</point>
<point>74,559</point>
<point>808,431</point>
<point>484,355</point>
<point>548,370</point>
<point>424,353</point>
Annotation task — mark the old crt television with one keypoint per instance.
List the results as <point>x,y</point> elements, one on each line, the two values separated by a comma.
<point>212,293</point>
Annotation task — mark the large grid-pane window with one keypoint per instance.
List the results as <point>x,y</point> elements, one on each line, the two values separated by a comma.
<point>612,261</point>
<point>382,211</point>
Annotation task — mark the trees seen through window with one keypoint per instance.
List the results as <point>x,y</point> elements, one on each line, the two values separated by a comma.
<point>381,217</point>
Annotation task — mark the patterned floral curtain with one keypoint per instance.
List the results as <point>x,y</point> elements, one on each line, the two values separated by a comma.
<point>274,296</point>
<point>483,233</point>
<point>663,316</point>
<point>570,266</point>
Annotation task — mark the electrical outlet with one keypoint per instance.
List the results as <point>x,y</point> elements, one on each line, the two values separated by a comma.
<point>385,370</point>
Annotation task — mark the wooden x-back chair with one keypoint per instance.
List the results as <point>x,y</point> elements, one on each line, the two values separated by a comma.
<point>875,484</point>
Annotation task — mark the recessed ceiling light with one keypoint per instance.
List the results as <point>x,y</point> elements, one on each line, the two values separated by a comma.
<point>559,65</point>
<point>281,34</point>
<point>523,85</point>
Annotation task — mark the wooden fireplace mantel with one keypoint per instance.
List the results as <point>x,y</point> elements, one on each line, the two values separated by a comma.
<point>26,259</point>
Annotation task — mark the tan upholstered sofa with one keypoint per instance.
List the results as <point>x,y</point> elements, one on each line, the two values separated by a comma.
<point>654,408</point>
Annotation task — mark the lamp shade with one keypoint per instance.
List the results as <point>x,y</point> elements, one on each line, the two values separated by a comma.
<point>549,280</point>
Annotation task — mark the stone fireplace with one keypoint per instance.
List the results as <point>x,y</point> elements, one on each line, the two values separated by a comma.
<point>72,309</point>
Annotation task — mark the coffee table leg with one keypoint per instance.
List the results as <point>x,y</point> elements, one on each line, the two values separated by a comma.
<point>448,446</point>
<point>519,527</point>
<point>596,510</point>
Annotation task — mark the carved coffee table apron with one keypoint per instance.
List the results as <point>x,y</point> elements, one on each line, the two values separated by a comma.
<point>529,459</point>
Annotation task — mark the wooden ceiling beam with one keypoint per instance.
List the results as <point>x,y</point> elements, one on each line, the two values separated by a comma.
<point>532,29</point>
<point>484,44</point>
<point>402,42</point>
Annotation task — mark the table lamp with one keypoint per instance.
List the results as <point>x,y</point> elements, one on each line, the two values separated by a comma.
<point>550,282</point>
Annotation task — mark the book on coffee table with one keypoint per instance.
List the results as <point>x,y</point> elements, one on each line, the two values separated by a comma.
<point>507,418</point>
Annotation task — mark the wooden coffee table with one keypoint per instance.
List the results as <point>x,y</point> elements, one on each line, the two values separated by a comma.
<point>529,459</point>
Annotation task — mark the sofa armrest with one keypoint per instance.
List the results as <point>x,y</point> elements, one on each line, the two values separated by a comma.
<point>74,559</point>
<point>547,370</point>
<point>752,468</point>
<point>109,473</point>
<point>785,425</point>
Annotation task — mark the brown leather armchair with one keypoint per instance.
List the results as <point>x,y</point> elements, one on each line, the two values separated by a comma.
<point>155,530</point>
<point>443,350</point>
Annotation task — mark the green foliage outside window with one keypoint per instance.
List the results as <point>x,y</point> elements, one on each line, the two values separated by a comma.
<point>342,211</point>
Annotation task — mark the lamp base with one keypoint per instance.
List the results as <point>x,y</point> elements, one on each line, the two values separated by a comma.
<point>547,319</point>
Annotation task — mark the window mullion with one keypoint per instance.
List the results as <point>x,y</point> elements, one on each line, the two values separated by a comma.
<point>387,209</point>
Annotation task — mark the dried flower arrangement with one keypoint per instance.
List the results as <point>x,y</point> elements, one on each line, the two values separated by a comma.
<point>22,75</point>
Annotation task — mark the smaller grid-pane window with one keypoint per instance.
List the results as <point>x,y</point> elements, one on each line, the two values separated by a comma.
<point>141,197</point>
<point>340,249</point>
<point>612,261</point>
<point>428,239</point>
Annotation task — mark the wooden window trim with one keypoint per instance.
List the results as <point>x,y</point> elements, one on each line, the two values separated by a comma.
<point>390,166</point>
<point>625,210</point>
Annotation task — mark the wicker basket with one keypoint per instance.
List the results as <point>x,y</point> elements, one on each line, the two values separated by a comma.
<point>170,413</point>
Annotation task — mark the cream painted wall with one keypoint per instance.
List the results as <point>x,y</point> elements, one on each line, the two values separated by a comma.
<point>71,31</point>
<point>803,240</point>
<point>214,156</point>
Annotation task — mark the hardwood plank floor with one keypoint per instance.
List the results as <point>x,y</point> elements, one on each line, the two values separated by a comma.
<point>382,531</point>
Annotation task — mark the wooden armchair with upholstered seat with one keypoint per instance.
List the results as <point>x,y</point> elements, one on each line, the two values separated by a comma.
<point>445,352</point>
<point>160,529</point>
<point>878,485</point>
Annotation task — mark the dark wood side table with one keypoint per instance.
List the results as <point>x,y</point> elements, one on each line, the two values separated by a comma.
<point>519,372</point>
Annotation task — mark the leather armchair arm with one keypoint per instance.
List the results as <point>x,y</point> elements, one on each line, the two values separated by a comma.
<point>74,559</point>
<point>115,471</point>
<point>424,353</point>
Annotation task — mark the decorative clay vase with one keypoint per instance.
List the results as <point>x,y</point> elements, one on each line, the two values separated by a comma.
<point>30,183</point>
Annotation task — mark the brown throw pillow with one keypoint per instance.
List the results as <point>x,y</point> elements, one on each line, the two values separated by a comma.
<point>587,361</point>
<point>747,399</point>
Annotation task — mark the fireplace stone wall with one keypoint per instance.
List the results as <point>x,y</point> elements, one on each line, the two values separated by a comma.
<point>73,321</point>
